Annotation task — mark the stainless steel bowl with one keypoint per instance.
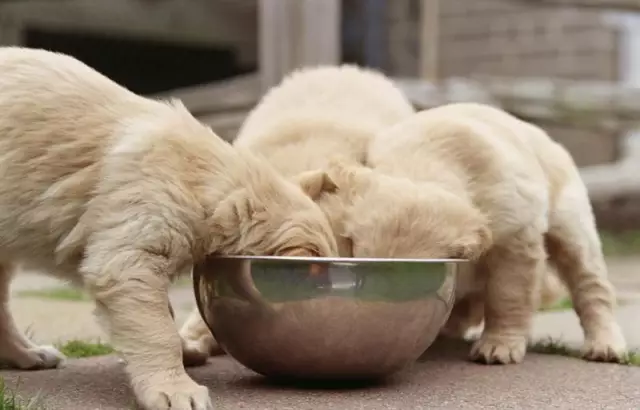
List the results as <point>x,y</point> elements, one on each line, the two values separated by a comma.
<point>325,318</point>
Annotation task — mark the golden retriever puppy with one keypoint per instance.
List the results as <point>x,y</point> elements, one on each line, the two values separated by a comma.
<point>119,193</point>
<point>499,191</point>
<point>314,116</point>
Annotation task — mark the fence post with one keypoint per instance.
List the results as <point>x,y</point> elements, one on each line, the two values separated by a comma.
<point>296,33</point>
<point>429,39</point>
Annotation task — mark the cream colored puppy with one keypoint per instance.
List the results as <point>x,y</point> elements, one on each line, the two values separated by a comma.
<point>119,193</point>
<point>315,115</point>
<point>499,191</point>
<point>326,117</point>
<point>466,320</point>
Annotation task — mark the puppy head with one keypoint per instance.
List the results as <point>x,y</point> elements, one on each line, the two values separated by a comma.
<point>274,216</point>
<point>349,181</point>
<point>397,218</point>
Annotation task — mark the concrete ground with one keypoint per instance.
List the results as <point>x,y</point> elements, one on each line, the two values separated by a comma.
<point>443,380</point>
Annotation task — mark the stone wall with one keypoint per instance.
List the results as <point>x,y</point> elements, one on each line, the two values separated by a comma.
<point>515,38</point>
<point>588,145</point>
<point>506,38</point>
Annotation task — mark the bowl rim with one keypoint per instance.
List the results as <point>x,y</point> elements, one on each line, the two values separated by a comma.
<point>314,259</point>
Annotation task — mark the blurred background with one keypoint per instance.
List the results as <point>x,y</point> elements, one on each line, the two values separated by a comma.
<point>570,66</point>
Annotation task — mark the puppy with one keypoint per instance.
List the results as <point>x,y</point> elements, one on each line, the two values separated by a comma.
<point>315,117</point>
<point>325,118</point>
<point>119,193</point>
<point>498,191</point>
<point>466,320</point>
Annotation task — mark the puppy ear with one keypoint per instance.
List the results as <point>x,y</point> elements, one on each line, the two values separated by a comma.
<point>348,175</point>
<point>472,245</point>
<point>314,183</point>
<point>232,211</point>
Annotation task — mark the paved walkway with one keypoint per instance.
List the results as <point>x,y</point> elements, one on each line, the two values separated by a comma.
<point>625,275</point>
<point>442,381</point>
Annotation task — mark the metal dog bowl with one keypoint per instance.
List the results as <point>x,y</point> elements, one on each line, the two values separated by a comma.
<point>325,318</point>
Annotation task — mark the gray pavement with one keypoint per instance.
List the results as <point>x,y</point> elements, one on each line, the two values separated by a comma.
<point>442,380</point>
<point>563,326</point>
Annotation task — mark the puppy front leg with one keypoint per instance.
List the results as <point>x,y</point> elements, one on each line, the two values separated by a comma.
<point>132,301</point>
<point>513,274</point>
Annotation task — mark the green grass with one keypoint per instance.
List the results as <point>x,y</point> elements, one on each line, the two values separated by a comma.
<point>78,349</point>
<point>634,359</point>
<point>556,347</point>
<point>10,400</point>
<point>183,281</point>
<point>620,243</point>
<point>61,293</point>
<point>563,304</point>
<point>553,347</point>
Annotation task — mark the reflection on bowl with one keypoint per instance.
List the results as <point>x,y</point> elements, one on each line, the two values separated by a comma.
<point>325,318</point>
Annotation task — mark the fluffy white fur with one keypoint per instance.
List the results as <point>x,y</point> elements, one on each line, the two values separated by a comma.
<point>483,185</point>
<point>119,194</point>
<point>314,117</point>
<point>325,118</point>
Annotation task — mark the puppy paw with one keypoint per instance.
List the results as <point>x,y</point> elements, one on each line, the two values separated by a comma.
<point>474,333</point>
<point>609,346</point>
<point>469,334</point>
<point>49,357</point>
<point>38,358</point>
<point>168,392</point>
<point>194,353</point>
<point>490,349</point>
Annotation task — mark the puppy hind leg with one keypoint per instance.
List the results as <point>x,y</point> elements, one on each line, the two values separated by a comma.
<point>575,248</point>
<point>466,321</point>
<point>552,289</point>
<point>15,348</point>
<point>197,341</point>
<point>514,272</point>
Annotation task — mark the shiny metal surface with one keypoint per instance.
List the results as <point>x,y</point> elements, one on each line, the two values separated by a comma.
<point>325,318</point>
